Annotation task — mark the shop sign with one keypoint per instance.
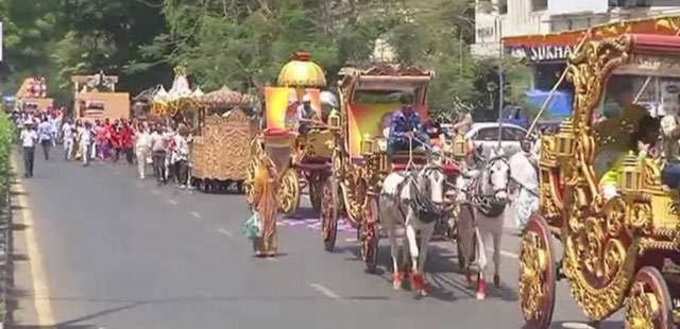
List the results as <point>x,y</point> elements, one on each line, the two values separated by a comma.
<point>543,53</point>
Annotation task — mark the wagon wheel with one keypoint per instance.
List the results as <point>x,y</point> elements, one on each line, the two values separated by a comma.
<point>649,303</point>
<point>329,212</point>
<point>369,235</point>
<point>316,183</point>
<point>537,275</point>
<point>290,192</point>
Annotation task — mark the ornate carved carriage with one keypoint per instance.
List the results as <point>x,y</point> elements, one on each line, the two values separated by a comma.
<point>220,150</point>
<point>359,155</point>
<point>309,157</point>
<point>620,249</point>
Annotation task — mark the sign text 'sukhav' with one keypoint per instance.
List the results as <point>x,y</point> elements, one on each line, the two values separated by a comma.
<point>543,53</point>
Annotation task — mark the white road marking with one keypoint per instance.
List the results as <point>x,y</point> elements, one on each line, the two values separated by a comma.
<point>172,202</point>
<point>506,253</point>
<point>41,291</point>
<point>351,240</point>
<point>509,254</point>
<point>576,325</point>
<point>195,215</point>
<point>225,232</point>
<point>324,290</point>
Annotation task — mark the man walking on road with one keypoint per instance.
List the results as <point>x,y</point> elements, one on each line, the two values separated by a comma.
<point>28,139</point>
<point>68,138</point>
<point>159,151</point>
<point>85,138</point>
<point>143,149</point>
<point>45,135</point>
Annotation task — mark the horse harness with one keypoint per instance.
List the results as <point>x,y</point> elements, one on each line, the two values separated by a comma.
<point>424,208</point>
<point>488,204</point>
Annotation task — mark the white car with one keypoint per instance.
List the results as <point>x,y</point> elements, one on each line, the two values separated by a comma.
<point>486,134</point>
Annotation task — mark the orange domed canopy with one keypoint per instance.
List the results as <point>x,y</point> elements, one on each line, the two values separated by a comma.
<point>301,72</point>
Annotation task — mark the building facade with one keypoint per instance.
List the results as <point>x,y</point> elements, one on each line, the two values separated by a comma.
<point>545,32</point>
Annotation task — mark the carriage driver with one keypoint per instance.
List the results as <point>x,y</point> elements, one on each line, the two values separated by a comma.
<point>406,130</point>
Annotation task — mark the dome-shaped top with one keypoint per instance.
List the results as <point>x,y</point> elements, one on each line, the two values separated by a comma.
<point>301,72</point>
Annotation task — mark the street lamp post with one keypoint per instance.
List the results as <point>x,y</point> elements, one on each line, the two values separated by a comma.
<point>500,79</point>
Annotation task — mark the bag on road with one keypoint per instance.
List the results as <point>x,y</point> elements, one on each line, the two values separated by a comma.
<point>252,227</point>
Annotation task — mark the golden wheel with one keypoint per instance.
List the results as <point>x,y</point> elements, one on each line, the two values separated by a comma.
<point>330,212</point>
<point>369,235</point>
<point>537,275</point>
<point>648,305</point>
<point>289,192</point>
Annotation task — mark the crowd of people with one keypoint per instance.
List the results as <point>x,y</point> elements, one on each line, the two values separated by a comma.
<point>163,145</point>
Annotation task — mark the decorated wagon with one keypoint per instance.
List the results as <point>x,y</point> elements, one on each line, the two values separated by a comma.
<point>360,161</point>
<point>297,107</point>
<point>602,192</point>
<point>223,132</point>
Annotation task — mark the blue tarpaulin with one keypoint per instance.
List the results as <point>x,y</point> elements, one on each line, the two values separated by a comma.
<point>559,107</point>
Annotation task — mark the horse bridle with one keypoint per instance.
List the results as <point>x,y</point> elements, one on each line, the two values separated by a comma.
<point>478,197</point>
<point>490,164</point>
<point>417,199</point>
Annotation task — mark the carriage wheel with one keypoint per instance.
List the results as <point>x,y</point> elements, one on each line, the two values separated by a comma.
<point>290,192</point>
<point>329,213</point>
<point>649,302</point>
<point>537,275</point>
<point>316,185</point>
<point>369,235</point>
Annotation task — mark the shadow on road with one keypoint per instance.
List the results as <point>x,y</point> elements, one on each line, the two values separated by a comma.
<point>444,275</point>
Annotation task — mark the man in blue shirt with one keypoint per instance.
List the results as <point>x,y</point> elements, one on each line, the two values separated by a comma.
<point>405,125</point>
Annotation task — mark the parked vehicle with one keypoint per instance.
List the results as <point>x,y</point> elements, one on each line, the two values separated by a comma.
<point>485,134</point>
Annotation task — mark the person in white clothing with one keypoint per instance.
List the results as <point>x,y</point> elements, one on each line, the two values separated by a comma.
<point>45,136</point>
<point>29,137</point>
<point>181,156</point>
<point>85,139</point>
<point>159,151</point>
<point>68,136</point>
<point>142,149</point>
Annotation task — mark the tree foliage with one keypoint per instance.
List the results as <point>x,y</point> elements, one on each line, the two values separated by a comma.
<point>244,43</point>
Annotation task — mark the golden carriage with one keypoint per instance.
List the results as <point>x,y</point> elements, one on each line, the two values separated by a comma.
<point>307,161</point>
<point>619,250</point>
<point>219,152</point>
<point>222,131</point>
<point>359,155</point>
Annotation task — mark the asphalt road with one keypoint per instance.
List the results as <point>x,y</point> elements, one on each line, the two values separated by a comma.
<point>123,253</point>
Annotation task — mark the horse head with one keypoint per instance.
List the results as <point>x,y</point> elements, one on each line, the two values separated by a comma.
<point>497,177</point>
<point>429,187</point>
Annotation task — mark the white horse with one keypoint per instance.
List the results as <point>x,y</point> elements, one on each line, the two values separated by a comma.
<point>483,195</point>
<point>412,201</point>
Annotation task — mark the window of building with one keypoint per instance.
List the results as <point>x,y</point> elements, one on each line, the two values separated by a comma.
<point>629,3</point>
<point>502,7</point>
<point>537,5</point>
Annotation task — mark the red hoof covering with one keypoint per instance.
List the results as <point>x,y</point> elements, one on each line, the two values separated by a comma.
<point>398,279</point>
<point>481,289</point>
<point>419,283</point>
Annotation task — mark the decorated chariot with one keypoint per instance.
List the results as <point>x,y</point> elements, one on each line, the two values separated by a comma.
<point>298,107</point>
<point>360,161</point>
<point>601,190</point>
<point>222,130</point>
